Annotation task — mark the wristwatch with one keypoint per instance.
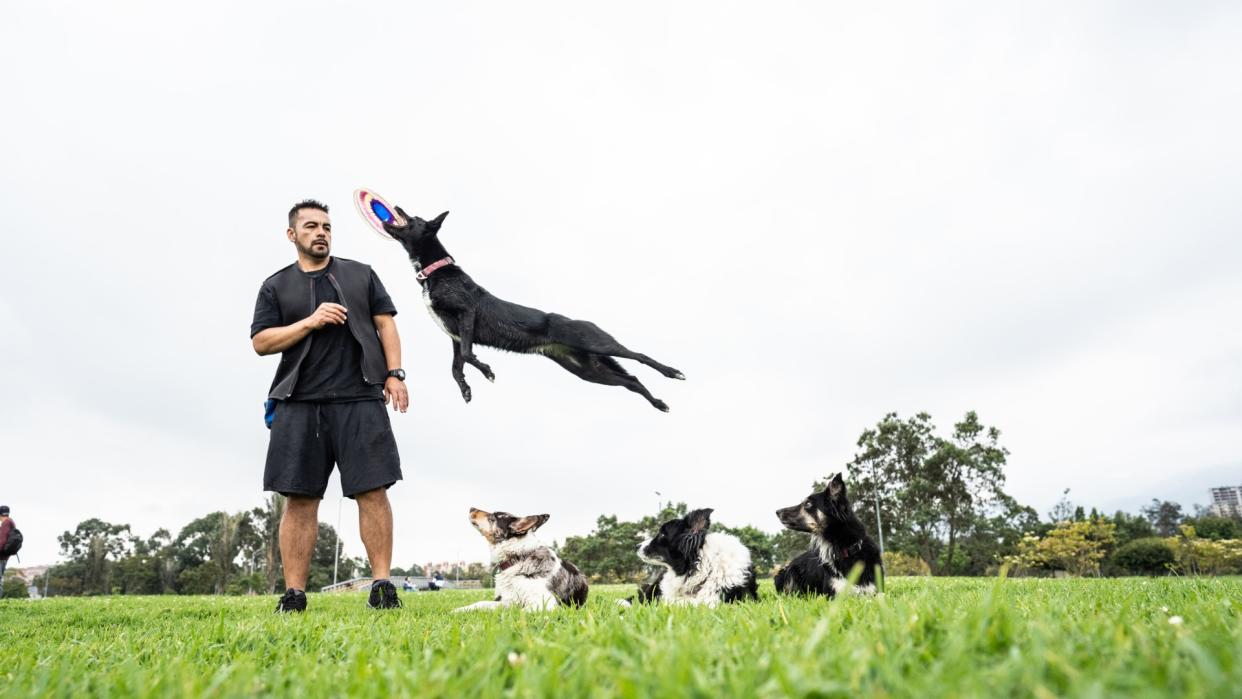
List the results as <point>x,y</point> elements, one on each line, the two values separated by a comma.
<point>398,374</point>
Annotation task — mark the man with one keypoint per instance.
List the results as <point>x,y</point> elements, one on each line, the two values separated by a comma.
<point>6,526</point>
<point>332,321</point>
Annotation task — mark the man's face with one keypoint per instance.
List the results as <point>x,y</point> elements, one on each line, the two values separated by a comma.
<point>312,233</point>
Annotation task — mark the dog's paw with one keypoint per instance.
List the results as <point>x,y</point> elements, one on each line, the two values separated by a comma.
<point>465,394</point>
<point>678,375</point>
<point>624,603</point>
<point>660,405</point>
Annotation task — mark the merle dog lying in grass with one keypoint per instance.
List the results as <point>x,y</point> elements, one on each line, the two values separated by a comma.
<point>839,544</point>
<point>470,315</point>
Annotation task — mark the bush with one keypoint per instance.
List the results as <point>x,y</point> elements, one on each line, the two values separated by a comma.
<point>1148,556</point>
<point>897,563</point>
<point>1196,556</point>
<point>15,588</point>
<point>1076,548</point>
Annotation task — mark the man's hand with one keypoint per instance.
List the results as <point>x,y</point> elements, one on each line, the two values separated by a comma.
<point>396,393</point>
<point>326,314</point>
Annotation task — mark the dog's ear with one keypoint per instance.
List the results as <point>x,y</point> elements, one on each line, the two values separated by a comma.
<point>699,520</point>
<point>836,486</point>
<point>528,524</point>
<point>433,226</point>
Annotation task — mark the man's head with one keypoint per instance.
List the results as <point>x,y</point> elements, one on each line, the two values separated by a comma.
<point>310,229</point>
<point>4,510</point>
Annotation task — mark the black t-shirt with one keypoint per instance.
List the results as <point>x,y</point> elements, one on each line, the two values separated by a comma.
<point>332,369</point>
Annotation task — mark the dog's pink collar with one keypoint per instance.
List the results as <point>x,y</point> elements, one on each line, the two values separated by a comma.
<point>422,276</point>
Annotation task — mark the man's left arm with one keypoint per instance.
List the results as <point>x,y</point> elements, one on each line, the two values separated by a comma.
<point>395,391</point>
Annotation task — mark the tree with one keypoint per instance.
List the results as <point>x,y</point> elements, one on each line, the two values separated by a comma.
<point>607,554</point>
<point>1131,527</point>
<point>325,555</point>
<point>150,568</point>
<point>1074,547</point>
<point>969,468</point>
<point>1199,556</point>
<point>933,492</point>
<point>1063,511</point>
<point>1214,527</point>
<point>207,551</point>
<point>1164,515</point>
<point>992,536</point>
<point>267,524</point>
<point>1150,556</point>
<point>886,474</point>
<point>93,547</point>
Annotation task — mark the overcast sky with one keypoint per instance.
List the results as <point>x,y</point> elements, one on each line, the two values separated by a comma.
<point>820,212</point>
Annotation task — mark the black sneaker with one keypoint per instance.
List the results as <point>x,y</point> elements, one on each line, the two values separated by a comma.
<point>383,596</point>
<point>292,601</point>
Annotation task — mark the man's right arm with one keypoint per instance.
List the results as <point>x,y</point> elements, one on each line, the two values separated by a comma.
<point>273,340</point>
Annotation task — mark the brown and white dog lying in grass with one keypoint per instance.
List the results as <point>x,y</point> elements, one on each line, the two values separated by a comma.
<point>529,573</point>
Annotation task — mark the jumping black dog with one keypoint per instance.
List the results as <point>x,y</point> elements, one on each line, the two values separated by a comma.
<point>470,315</point>
<point>839,543</point>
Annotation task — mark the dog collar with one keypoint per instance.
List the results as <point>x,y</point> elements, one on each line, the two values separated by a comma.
<point>422,276</point>
<point>852,549</point>
<point>510,562</point>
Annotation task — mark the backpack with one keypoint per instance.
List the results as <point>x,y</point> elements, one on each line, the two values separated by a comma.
<point>14,543</point>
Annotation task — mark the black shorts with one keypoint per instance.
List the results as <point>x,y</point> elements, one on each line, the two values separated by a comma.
<point>309,438</point>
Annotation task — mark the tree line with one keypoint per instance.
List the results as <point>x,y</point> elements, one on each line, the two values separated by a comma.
<point>218,553</point>
<point>938,501</point>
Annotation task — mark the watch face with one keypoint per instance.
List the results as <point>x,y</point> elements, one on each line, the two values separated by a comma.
<point>398,373</point>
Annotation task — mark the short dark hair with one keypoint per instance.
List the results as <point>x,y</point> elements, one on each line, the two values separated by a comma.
<point>305,204</point>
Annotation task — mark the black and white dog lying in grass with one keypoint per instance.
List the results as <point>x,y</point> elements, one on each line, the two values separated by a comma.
<point>839,543</point>
<point>470,315</point>
<point>697,567</point>
<point>529,573</point>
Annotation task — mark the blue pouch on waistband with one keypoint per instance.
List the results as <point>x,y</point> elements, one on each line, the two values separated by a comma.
<point>269,411</point>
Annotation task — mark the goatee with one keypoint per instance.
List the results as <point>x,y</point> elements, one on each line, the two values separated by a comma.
<point>317,251</point>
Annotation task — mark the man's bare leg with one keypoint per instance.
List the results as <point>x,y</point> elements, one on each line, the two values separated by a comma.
<point>299,528</point>
<point>375,525</point>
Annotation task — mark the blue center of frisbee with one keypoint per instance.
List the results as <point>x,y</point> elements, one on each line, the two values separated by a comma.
<point>381,211</point>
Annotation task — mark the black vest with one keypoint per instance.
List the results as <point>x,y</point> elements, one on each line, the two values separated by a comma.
<point>295,294</point>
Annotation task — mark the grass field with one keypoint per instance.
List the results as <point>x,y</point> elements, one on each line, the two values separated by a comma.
<point>925,637</point>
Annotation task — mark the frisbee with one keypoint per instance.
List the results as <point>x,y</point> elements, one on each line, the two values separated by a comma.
<point>376,212</point>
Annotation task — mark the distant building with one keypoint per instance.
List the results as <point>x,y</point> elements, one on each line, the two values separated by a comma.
<point>1227,501</point>
<point>33,577</point>
<point>445,568</point>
